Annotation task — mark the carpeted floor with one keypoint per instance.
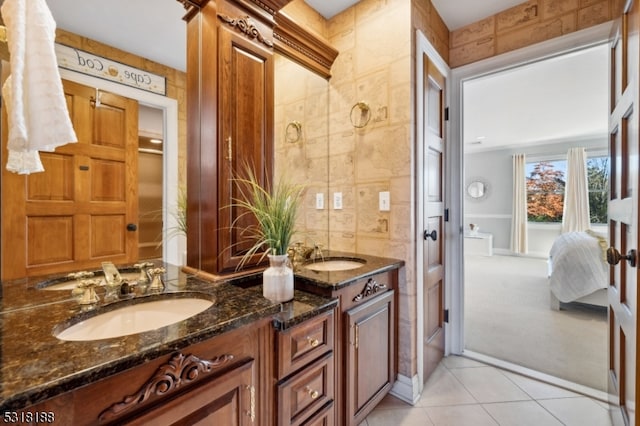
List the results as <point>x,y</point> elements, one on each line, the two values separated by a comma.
<point>507,316</point>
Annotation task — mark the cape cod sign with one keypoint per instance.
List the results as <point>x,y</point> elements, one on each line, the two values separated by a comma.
<point>86,63</point>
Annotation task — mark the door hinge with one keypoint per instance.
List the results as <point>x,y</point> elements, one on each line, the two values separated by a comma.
<point>446,215</point>
<point>446,315</point>
<point>446,114</point>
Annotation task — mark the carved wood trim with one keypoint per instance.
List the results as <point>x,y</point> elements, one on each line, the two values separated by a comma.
<point>181,370</point>
<point>245,26</point>
<point>271,6</point>
<point>302,46</point>
<point>370,288</point>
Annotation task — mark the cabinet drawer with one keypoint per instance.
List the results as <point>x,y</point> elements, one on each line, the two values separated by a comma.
<point>325,417</point>
<point>306,392</point>
<point>304,343</point>
<point>365,289</point>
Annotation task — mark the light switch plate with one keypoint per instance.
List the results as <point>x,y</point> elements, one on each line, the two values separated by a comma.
<point>337,200</point>
<point>319,200</point>
<point>384,201</point>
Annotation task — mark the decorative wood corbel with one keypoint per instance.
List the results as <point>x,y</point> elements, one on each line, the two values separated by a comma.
<point>181,370</point>
<point>370,288</point>
<point>245,26</point>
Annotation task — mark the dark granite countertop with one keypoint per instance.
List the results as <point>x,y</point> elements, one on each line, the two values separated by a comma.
<point>35,365</point>
<point>339,279</point>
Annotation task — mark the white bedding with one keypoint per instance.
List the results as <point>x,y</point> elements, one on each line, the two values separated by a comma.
<point>577,266</point>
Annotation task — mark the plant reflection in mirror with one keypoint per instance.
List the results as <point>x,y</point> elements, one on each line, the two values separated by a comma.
<point>275,209</point>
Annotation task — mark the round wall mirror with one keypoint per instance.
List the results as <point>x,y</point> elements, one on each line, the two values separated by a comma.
<point>477,189</point>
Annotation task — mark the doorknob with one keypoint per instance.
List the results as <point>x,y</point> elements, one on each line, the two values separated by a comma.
<point>433,235</point>
<point>132,227</point>
<point>614,257</point>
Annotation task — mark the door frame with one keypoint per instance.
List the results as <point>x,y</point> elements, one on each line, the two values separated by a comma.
<point>174,247</point>
<point>424,47</point>
<point>558,46</point>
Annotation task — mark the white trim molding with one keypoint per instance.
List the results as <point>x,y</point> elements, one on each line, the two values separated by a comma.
<point>558,46</point>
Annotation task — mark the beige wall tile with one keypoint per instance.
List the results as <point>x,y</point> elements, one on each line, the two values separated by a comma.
<point>476,31</point>
<point>594,14</point>
<point>517,16</point>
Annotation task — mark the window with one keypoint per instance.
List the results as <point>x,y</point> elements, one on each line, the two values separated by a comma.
<point>545,189</point>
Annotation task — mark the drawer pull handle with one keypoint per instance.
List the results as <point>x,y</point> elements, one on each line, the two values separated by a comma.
<point>314,394</point>
<point>313,342</point>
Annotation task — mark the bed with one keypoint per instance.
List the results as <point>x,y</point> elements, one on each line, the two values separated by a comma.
<point>578,271</point>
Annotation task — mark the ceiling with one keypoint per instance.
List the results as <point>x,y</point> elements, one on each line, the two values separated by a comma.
<point>154,29</point>
<point>564,98</point>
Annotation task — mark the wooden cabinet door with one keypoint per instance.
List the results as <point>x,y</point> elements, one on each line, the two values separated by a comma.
<point>229,400</point>
<point>245,134</point>
<point>74,215</point>
<point>370,356</point>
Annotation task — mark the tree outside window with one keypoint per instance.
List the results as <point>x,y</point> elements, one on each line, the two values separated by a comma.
<point>545,190</point>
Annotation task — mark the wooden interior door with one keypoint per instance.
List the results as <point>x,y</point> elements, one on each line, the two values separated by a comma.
<point>434,277</point>
<point>623,216</point>
<point>83,209</point>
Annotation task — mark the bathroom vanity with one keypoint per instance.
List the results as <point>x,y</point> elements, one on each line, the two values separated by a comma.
<point>244,360</point>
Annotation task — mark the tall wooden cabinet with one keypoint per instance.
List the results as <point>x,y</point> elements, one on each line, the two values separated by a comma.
<point>230,122</point>
<point>230,47</point>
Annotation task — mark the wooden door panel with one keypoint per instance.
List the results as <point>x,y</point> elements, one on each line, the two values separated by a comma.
<point>104,241</point>
<point>74,214</point>
<point>110,123</point>
<point>433,246</point>
<point>57,183</point>
<point>45,232</point>
<point>108,180</point>
<point>624,148</point>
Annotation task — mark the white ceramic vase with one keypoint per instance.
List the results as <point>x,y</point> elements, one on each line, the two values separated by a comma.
<point>277,279</point>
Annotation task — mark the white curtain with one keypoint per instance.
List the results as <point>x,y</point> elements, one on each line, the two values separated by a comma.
<point>575,216</point>
<point>519,208</point>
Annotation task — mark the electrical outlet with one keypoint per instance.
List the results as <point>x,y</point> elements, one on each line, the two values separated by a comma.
<point>384,199</point>
<point>319,200</point>
<point>337,200</point>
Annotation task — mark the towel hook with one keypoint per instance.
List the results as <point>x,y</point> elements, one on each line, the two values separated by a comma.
<point>293,132</point>
<point>362,119</point>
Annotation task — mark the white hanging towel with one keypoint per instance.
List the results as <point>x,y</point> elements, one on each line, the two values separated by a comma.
<point>36,107</point>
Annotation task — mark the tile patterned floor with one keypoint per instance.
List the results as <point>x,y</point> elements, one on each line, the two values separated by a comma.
<point>463,392</point>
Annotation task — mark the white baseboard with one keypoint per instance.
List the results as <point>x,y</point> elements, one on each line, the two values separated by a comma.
<point>407,389</point>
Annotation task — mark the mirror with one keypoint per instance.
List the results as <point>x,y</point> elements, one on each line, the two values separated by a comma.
<point>301,143</point>
<point>477,189</point>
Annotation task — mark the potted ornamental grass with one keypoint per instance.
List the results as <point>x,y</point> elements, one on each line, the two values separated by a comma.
<point>275,209</point>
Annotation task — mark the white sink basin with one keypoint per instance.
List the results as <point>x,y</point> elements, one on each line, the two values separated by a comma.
<point>334,265</point>
<point>133,319</point>
<point>71,284</point>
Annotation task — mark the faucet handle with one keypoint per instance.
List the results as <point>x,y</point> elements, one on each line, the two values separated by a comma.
<point>156,278</point>
<point>80,275</point>
<point>143,267</point>
<point>89,296</point>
